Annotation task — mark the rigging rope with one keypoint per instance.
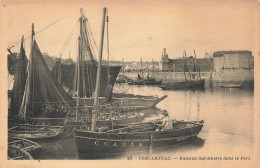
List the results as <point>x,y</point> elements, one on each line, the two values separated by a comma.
<point>95,42</point>
<point>68,39</point>
<point>37,32</point>
<point>90,30</point>
<point>90,44</point>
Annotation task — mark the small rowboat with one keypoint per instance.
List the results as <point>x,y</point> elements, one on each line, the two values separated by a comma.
<point>15,153</point>
<point>31,147</point>
<point>36,132</point>
<point>231,86</point>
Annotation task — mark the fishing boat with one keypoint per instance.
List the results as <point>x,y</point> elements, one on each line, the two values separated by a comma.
<point>31,147</point>
<point>145,80</point>
<point>130,138</point>
<point>86,67</point>
<point>142,138</point>
<point>111,118</point>
<point>140,81</point>
<point>192,83</point>
<point>123,79</point>
<point>149,79</point>
<point>196,84</point>
<point>115,112</point>
<point>43,97</point>
<point>36,132</point>
<point>80,78</point>
<point>19,81</point>
<point>15,153</point>
<point>152,81</point>
<point>130,102</point>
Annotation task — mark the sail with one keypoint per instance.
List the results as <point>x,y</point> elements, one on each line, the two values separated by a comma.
<point>69,79</point>
<point>57,72</point>
<point>43,96</point>
<point>19,82</point>
<point>139,77</point>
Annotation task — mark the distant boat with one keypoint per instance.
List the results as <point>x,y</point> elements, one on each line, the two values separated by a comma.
<point>142,81</point>
<point>196,84</point>
<point>152,81</point>
<point>231,86</point>
<point>123,79</point>
<point>192,83</point>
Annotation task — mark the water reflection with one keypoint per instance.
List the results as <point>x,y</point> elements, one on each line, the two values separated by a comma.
<point>196,144</point>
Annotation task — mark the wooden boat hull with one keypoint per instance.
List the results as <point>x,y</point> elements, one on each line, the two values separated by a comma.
<point>94,145</point>
<point>145,82</point>
<point>127,103</point>
<point>31,147</point>
<point>15,153</point>
<point>36,132</point>
<point>123,79</point>
<point>184,85</point>
<point>141,116</point>
<point>135,103</point>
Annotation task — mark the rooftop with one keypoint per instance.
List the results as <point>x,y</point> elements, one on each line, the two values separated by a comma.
<point>221,53</point>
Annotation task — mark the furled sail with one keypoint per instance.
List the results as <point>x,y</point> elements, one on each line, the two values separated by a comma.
<point>43,96</point>
<point>19,82</point>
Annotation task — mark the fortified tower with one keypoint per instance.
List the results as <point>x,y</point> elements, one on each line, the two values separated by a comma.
<point>165,61</point>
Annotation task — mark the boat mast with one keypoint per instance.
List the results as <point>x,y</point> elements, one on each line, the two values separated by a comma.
<point>31,82</point>
<point>78,80</point>
<point>123,68</point>
<point>95,110</point>
<point>184,68</point>
<point>108,68</point>
<point>196,65</point>
<point>20,57</point>
<point>153,66</point>
<point>147,69</point>
<point>142,68</point>
<point>186,63</point>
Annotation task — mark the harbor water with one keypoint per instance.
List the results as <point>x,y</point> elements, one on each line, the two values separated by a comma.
<point>228,122</point>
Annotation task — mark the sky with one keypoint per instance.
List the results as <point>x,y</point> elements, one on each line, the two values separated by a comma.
<point>138,29</point>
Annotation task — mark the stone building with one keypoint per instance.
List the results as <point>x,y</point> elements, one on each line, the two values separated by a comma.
<point>234,67</point>
<point>177,65</point>
<point>233,60</point>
